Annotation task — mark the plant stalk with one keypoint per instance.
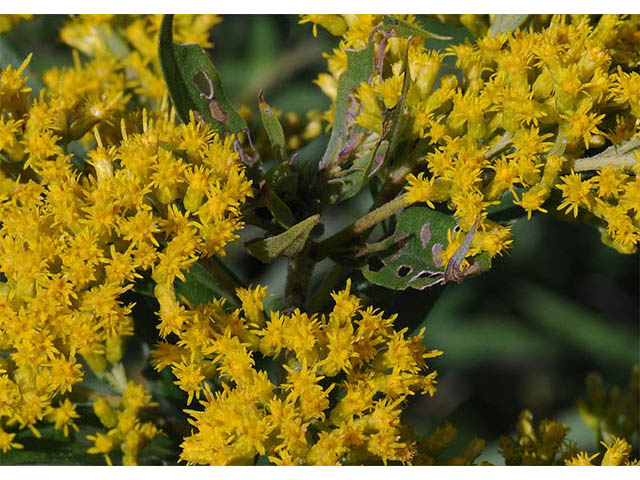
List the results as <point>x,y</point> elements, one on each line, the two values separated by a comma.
<point>298,280</point>
<point>360,226</point>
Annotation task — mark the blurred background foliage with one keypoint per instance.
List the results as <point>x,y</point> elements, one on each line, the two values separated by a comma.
<point>523,335</point>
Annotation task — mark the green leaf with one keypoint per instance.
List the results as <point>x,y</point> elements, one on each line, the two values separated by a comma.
<point>288,243</point>
<point>401,28</point>
<point>278,208</point>
<point>506,23</point>
<point>194,83</point>
<point>396,119</point>
<point>272,126</point>
<point>359,69</point>
<point>409,258</point>
<point>200,286</point>
<point>350,181</point>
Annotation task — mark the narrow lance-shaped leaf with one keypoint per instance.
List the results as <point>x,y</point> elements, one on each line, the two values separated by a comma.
<point>194,83</point>
<point>278,208</point>
<point>359,69</point>
<point>506,23</point>
<point>272,126</point>
<point>288,243</point>
<point>351,181</point>
<point>396,118</point>
<point>402,28</point>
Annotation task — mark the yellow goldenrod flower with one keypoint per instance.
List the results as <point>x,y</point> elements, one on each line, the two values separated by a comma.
<point>7,443</point>
<point>63,416</point>
<point>575,193</point>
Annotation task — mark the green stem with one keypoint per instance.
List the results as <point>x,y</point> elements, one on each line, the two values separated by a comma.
<point>298,279</point>
<point>502,144</point>
<point>360,226</point>
<point>624,155</point>
<point>599,162</point>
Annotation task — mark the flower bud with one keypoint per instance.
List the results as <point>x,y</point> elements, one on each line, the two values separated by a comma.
<point>105,412</point>
<point>97,362</point>
<point>114,348</point>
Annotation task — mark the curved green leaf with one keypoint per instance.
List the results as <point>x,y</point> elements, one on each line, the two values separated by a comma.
<point>278,208</point>
<point>359,69</point>
<point>288,243</point>
<point>272,126</point>
<point>350,181</point>
<point>402,28</point>
<point>194,83</point>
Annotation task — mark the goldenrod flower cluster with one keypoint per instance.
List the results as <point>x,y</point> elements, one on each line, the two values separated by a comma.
<point>543,444</point>
<point>132,42</point>
<point>336,399</point>
<point>546,444</point>
<point>126,431</point>
<point>612,414</point>
<point>77,231</point>
<point>102,189</point>
<point>617,453</point>
<point>431,449</point>
<point>515,125</point>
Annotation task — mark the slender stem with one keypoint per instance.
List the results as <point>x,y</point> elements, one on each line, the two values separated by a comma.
<point>623,154</point>
<point>360,226</point>
<point>597,162</point>
<point>298,279</point>
<point>503,143</point>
